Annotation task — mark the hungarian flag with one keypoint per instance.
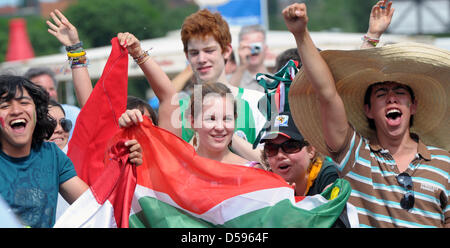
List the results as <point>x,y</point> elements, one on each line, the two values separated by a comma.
<point>98,120</point>
<point>177,188</point>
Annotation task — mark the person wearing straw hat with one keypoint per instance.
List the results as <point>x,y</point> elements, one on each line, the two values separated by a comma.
<point>381,114</point>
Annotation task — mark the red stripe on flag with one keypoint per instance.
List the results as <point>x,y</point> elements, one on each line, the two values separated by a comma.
<point>97,121</point>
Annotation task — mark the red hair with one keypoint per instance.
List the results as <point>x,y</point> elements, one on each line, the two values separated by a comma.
<point>202,24</point>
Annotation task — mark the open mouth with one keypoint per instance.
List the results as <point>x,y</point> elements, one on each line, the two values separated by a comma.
<point>18,125</point>
<point>283,167</point>
<point>393,117</point>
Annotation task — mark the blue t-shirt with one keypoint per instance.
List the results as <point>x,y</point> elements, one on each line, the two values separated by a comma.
<point>30,184</point>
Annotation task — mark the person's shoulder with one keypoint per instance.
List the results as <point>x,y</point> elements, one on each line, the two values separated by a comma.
<point>235,159</point>
<point>50,147</point>
<point>438,151</point>
<point>328,166</point>
<point>439,156</point>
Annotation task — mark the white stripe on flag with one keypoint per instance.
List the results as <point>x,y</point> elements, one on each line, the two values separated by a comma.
<point>86,212</point>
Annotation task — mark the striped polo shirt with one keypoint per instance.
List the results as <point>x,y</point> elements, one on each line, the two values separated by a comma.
<point>371,171</point>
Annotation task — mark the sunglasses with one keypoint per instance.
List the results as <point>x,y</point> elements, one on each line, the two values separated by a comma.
<point>66,124</point>
<point>289,146</point>
<point>405,180</point>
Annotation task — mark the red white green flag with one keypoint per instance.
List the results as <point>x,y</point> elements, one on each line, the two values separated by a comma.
<point>177,188</point>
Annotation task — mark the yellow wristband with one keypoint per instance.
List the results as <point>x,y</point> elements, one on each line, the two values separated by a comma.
<point>75,55</point>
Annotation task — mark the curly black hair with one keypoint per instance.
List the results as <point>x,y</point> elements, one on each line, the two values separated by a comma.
<point>45,124</point>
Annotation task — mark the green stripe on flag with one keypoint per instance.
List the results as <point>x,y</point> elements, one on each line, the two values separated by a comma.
<point>158,214</point>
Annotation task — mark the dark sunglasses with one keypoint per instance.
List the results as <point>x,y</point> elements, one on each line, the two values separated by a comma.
<point>289,146</point>
<point>66,124</point>
<point>405,180</point>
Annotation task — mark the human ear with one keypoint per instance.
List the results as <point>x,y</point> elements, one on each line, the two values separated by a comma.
<point>311,151</point>
<point>367,111</point>
<point>227,52</point>
<point>413,107</point>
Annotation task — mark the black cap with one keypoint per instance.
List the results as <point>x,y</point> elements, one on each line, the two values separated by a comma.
<point>282,124</point>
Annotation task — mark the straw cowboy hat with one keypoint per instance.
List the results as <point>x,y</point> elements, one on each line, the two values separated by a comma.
<point>426,69</point>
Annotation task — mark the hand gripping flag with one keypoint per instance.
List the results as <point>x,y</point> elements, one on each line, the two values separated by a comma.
<point>98,120</point>
<point>177,188</point>
<point>107,202</point>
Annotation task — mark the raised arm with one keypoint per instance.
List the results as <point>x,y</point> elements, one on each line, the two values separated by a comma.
<point>379,20</point>
<point>67,34</point>
<point>333,117</point>
<point>244,53</point>
<point>159,82</point>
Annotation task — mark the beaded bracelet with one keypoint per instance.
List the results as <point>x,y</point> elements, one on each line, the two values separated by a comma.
<point>75,55</point>
<point>140,59</point>
<point>85,64</point>
<point>372,41</point>
<point>77,58</point>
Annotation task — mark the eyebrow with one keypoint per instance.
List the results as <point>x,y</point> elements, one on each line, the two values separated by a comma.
<point>208,47</point>
<point>22,97</point>
<point>16,98</point>
<point>380,89</point>
<point>398,87</point>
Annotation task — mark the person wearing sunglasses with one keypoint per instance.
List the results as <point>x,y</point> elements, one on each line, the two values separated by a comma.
<point>289,155</point>
<point>63,126</point>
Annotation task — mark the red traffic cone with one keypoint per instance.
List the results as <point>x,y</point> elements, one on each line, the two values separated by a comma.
<point>19,45</point>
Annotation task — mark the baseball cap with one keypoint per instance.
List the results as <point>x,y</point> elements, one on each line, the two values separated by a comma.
<point>282,124</point>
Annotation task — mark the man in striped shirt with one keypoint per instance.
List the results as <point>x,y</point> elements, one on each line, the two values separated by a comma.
<point>397,180</point>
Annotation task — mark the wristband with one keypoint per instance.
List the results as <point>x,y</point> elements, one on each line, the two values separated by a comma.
<point>75,55</point>
<point>372,41</point>
<point>74,47</point>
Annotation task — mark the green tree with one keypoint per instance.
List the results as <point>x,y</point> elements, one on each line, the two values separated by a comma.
<point>341,15</point>
<point>99,21</point>
<point>3,38</point>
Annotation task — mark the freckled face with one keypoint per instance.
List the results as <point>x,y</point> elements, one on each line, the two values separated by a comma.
<point>206,59</point>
